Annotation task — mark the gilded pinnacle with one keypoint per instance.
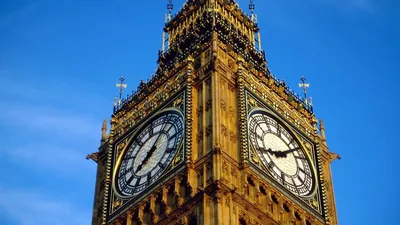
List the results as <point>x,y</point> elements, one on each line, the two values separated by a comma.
<point>322,129</point>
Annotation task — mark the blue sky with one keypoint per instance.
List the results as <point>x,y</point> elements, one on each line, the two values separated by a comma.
<point>60,60</point>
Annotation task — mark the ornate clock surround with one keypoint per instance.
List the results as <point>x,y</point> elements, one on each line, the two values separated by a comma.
<point>178,102</point>
<point>227,178</point>
<point>313,203</point>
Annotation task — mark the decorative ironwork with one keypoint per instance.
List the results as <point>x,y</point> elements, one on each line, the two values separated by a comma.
<point>121,87</point>
<point>304,85</point>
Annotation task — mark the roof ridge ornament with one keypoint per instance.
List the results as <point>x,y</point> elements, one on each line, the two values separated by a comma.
<point>304,86</point>
<point>121,87</point>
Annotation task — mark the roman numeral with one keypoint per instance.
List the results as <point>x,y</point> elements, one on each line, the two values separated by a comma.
<point>123,187</point>
<point>162,166</point>
<point>298,191</point>
<point>130,179</point>
<point>167,118</point>
<point>278,130</point>
<point>271,165</point>
<point>283,177</point>
<point>290,141</point>
<point>300,179</point>
<point>300,157</point>
<point>169,150</point>
<point>124,172</point>
<point>169,128</point>
<point>172,137</point>
<point>130,157</point>
<point>304,172</point>
<point>269,128</point>
<point>151,129</point>
<point>149,176</point>
<point>139,142</point>
<point>138,181</point>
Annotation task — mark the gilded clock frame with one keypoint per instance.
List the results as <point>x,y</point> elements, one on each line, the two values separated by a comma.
<point>129,141</point>
<point>289,129</point>
<point>312,201</point>
<point>119,203</point>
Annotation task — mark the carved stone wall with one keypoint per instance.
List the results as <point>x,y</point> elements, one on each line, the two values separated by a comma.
<point>213,60</point>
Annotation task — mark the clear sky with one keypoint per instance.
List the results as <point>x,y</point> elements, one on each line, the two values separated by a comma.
<point>60,60</point>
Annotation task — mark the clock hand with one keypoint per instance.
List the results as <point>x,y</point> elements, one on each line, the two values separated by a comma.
<point>269,150</point>
<point>291,150</point>
<point>279,154</point>
<point>159,135</point>
<point>152,149</point>
<point>283,154</point>
<point>148,155</point>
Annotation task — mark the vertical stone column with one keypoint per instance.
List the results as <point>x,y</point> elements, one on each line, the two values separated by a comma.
<point>165,200</point>
<point>325,157</point>
<point>129,218</point>
<point>242,112</point>
<point>153,208</point>
<point>141,213</point>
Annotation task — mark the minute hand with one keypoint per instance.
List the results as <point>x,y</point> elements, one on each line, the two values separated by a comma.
<point>152,149</point>
<point>284,153</point>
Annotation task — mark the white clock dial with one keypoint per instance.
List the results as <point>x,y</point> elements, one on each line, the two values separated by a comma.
<point>149,154</point>
<point>281,153</point>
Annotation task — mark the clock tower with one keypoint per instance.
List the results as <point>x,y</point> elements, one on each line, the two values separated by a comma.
<point>213,137</point>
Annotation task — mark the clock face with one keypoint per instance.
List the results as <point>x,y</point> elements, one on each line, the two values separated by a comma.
<point>149,153</point>
<point>281,153</point>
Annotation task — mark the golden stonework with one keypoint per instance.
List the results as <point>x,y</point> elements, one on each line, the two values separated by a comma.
<point>213,72</point>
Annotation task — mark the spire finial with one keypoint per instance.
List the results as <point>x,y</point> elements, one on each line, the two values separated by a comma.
<point>322,130</point>
<point>304,85</point>
<point>121,87</point>
<point>104,131</point>
<point>170,6</point>
<point>252,7</point>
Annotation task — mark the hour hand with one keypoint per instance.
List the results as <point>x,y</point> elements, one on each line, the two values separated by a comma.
<point>266,150</point>
<point>283,154</point>
<point>276,154</point>
<point>146,158</point>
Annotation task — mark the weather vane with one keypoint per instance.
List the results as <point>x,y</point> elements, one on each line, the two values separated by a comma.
<point>121,87</point>
<point>304,85</point>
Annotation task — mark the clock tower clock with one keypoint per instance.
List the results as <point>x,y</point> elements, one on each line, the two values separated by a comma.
<point>213,137</point>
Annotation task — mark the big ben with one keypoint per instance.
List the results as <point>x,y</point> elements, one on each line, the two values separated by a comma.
<point>213,137</point>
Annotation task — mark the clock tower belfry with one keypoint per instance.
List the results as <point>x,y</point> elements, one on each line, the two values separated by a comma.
<point>213,137</point>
